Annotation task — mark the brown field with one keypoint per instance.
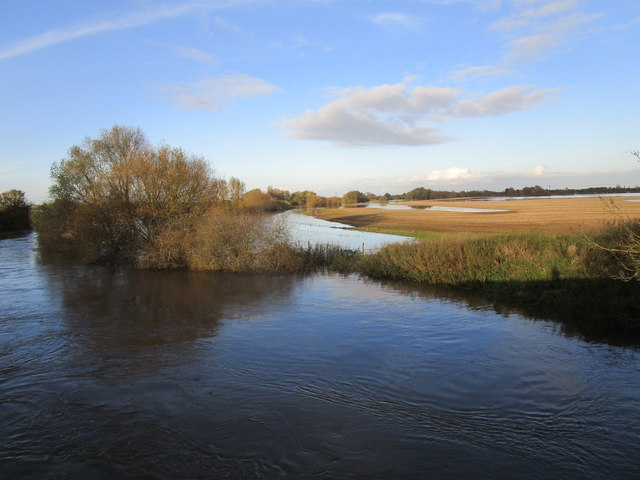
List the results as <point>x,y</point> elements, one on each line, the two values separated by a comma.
<point>557,215</point>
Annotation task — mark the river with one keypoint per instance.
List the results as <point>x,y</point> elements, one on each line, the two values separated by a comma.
<point>116,373</point>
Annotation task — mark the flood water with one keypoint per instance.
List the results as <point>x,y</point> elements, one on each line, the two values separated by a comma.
<point>115,373</point>
<point>306,229</point>
<point>435,208</point>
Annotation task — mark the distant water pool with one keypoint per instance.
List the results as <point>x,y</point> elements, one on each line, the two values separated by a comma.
<point>392,206</point>
<point>306,229</point>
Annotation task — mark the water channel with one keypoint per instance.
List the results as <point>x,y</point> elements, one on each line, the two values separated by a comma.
<point>116,373</point>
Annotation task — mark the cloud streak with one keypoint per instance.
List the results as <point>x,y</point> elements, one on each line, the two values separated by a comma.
<point>401,114</point>
<point>537,28</point>
<point>532,29</point>
<point>137,19</point>
<point>215,93</point>
<point>396,20</point>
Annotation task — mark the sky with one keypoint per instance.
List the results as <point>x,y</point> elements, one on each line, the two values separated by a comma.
<point>331,95</point>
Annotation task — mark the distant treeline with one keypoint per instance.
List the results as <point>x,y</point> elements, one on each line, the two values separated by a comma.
<point>14,211</point>
<point>282,199</point>
<point>422,193</point>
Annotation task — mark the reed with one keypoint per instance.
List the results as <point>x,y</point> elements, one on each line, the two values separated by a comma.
<point>475,261</point>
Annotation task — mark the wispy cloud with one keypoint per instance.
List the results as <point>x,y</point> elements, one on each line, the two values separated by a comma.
<point>216,93</point>
<point>478,71</point>
<point>126,21</point>
<point>194,54</point>
<point>500,102</point>
<point>396,20</point>
<point>537,28</point>
<point>190,53</point>
<point>225,25</point>
<point>402,114</point>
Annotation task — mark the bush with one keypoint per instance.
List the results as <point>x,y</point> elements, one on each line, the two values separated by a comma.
<point>623,243</point>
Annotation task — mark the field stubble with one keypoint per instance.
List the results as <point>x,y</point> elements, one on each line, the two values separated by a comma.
<point>548,215</point>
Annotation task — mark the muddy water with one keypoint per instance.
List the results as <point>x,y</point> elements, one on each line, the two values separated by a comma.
<point>115,373</point>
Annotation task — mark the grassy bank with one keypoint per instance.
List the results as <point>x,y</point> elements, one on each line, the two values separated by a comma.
<point>563,277</point>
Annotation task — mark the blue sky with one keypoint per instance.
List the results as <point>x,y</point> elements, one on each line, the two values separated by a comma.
<point>331,95</point>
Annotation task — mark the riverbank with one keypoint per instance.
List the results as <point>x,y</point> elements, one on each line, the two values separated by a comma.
<point>565,277</point>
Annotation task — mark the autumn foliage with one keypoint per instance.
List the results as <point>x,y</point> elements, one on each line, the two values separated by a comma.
<point>119,199</point>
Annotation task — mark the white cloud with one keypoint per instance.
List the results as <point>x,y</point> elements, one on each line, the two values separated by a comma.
<point>400,114</point>
<point>348,128</point>
<point>538,171</point>
<point>216,92</point>
<point>453,175</point>
<point>461,178</point>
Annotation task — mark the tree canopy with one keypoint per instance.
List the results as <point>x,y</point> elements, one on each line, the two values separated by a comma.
<point>353,197</point>
<point>113,194</point>
<point>14,211</point>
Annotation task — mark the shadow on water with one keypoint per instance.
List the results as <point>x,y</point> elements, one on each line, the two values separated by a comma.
<point>596,310</point>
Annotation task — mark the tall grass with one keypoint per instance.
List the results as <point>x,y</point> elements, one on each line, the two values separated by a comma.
<point>473,262</point>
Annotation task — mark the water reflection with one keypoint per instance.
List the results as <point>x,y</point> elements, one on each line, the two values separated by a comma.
<point>123,306</point>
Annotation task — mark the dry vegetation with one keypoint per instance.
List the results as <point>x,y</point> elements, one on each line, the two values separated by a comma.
<point>119,199</point>
<point>557,215</point>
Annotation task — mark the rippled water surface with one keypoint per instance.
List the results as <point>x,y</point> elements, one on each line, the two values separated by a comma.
<point>114,373</point>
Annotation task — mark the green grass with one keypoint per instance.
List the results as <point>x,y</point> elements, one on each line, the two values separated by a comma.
<point>403,233</point>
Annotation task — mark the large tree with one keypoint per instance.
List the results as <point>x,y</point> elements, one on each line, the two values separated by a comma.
<point>112,195</point>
